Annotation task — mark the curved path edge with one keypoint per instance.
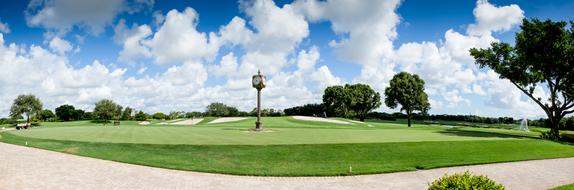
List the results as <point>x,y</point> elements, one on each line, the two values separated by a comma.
<point>30,168</point>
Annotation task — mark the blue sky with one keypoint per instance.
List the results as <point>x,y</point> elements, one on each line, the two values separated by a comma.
<point>302,46</point>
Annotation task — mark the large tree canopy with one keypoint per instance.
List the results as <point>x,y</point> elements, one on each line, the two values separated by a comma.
<point>66,112</point>
<point>26,104</point>
<point>363,99</point>
<point>336,99</point>
<point>351,100</point>
<point>218,109</point>
<point>408,91</point>
<point>106,110</point>
<point>543,56</point>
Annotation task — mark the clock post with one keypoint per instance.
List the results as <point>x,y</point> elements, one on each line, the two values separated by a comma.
<point>258,83</point>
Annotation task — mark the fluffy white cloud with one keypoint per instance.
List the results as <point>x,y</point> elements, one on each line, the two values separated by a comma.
<point>282,26</point>
<point>48,75</point>
<point>60,45</point>
<point>490,18</point>
<point>62,15</point>
<point>178,40</point>
<point>227,66</point>
<point>370,25</point>
<point>4,27</point>
<point>131,40</point>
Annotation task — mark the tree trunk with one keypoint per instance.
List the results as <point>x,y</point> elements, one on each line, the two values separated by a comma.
<point>555,125</point>
<point>409,117</point>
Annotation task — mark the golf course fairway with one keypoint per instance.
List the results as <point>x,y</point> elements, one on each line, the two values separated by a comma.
<point>290,147</point>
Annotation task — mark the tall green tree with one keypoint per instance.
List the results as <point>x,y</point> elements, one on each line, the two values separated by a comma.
<point>28,105</point>
<point>105,110</point>
<point>66,112</point>
<point>363,99</point>
<point>127,113</point>
<point>543,55</point>
<point>46,115</point>
<point>336,99</point>
<point>408,91</point>
<point>118,112</point>
<point>218,109</point>
<point>351,100</point>
<point>140,116</point>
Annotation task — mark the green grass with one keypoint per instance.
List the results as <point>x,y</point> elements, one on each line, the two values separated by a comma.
<point>308,160</point>
<point>283,130</point>
<point>564,187</point>
<point>290,147</point>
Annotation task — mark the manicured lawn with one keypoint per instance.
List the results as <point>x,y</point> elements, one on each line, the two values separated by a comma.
<point>290,147</point>
<point>282,130</point>
<point>309,160</point>
<point>564,187</point>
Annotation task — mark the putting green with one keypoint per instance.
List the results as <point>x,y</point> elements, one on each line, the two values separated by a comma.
<point>279,131</point>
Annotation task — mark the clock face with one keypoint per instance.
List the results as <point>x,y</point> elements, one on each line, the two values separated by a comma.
<point>256,81</point>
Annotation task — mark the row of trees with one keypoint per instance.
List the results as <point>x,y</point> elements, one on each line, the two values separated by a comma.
<point>31,107</point>
<point>105,110</point>
<point>319,109</point>
<point>405,90</point>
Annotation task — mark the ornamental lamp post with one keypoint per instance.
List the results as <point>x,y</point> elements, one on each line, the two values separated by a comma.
<point>258,83</point>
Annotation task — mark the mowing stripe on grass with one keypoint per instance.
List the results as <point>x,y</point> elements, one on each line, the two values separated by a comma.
<point>308,160</point>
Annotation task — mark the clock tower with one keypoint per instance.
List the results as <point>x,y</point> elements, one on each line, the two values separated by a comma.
<point>258,83</point>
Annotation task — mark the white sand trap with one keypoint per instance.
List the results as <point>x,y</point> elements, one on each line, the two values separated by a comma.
<point>187,122</point>
<point>360,122</point>
<point>144,123</point>
<point>226,119</point>
<point>320,119</point>
<point>170,122</point>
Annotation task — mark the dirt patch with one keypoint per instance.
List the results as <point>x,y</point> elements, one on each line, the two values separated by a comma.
<point>71,150</point>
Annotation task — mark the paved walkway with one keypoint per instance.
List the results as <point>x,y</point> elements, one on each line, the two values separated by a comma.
<point>29,168</point>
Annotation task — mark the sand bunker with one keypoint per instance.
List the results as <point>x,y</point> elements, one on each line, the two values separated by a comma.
<point>320,119</point>
<point>360,122</point>
<point>227,119</point>
<point>144,123</point>
<point>187,122</point>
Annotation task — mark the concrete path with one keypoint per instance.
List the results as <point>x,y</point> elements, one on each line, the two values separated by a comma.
<point>30,168</point>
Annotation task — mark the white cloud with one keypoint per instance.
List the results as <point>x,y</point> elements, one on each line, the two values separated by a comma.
<point>490,18</point>
<point>4,27</point>
<point>178,40</point>
<point>367,30</point>
<point>61,16</point>
<point>227,66</point>
<point>131,40</point>
<point>60,46</point>
<point>282,26</point>
<point>325,78</point>
<point>50,76</point>
<point>370,26</point>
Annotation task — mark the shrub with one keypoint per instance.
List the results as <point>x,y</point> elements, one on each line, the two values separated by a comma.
<point>550,136</point>
<point>462,181</point>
